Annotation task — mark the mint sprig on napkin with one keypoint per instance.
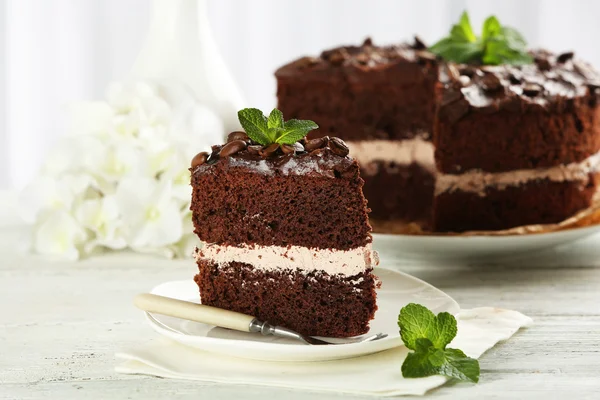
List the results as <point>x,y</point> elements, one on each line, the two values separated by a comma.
<point>428,335</point>
<point>497,44</point>
<point>273,129</point>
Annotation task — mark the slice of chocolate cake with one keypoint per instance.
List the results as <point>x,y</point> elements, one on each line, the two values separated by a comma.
<point>285,228</point>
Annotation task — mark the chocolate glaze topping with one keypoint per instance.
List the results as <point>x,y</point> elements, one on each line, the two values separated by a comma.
<point>323,156</point>
<point>359,58</point>
<point>554,83</point>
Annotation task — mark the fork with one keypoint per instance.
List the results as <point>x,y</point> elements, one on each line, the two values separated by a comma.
<point>152,303</point>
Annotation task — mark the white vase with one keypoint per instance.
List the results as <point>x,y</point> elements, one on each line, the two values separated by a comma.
<point>180,47</point>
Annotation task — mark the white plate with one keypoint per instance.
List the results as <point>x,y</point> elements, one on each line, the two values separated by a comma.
<point>397,290</point>
<point>467,248</point>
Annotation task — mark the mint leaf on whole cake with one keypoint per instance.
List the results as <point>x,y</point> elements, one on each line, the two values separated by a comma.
<point>497,44</point>
<point>285,227</point>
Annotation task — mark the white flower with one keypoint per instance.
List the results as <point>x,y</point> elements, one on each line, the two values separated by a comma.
<point>45,194</point>
<point>59,235</point>
<point>197,126</point>
<point>120,160</point>
<point>139,99</point>
<point>120,178</point>
<point>151,216</point>
<point>102,217</point>
<point>89,118</point>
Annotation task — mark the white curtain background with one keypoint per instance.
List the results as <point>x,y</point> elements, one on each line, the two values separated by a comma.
<point>56,51</point>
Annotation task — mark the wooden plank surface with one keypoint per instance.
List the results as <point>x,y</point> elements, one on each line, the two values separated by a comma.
<point>62,323</point>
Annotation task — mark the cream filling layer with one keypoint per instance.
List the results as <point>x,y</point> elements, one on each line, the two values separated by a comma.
<point>404,152</point>
<point>270,258</point>
<point>476,181</point>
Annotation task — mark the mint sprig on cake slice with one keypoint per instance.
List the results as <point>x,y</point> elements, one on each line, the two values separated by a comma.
<point>428,336</point>
<point>273,130</point>
<point>496,45</point>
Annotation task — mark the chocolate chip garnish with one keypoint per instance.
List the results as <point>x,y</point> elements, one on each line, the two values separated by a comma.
<point>564,57</point>
<point>287,149</point>
<point>306,62</point>
<point>338,57</point>
<point>490,82</point>
<point>593,86</point>
<point>542,63</point>
<point>199,159</point>
<point>466,70</point>
<point>291,148</point>
<point>419,44</point>
<point>269,150</point>
<point>513,79</point>
<point>453,106</point>
<point>238,135</point>
<point>362,58</point>
<point>453,72</point>
<point>425,55</point>
<point>232,148</point>
<point>368,42</point>
<point>255,148</point>
<point>316,143</point>
<point>339,147</point>
<point>450,96</point>
<point>531,89</point>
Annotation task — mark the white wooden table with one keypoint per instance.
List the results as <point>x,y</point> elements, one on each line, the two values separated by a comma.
<point>61,324</point>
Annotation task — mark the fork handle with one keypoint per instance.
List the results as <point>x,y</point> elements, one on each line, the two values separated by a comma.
<point>194,312</point>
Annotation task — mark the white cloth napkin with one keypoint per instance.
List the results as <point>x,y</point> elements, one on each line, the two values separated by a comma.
<point>378,374</point>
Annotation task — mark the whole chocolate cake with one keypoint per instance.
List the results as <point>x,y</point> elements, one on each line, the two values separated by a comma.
<point>286,234</point>
<point>456,146</point>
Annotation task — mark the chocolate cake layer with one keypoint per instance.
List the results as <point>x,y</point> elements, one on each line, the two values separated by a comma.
<point>312,200</point>
<point>535,202</point>
<point>501,118</point>
<point>310,303</point>
<point>362,92</point>
<point>389,185</point>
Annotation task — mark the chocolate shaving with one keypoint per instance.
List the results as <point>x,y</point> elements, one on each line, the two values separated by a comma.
<point>564,57</point>
<point>542,63</point>
<point>531,89</point>
<point>419,44</point>
<point>491,82</point>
